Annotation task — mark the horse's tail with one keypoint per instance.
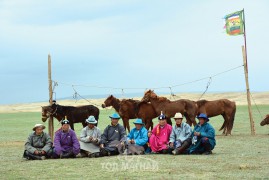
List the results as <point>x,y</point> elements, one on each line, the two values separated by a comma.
<point>232,118</point>
<point>223,125</point>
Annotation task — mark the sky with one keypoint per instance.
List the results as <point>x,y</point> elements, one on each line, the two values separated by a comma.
<point>120,47</point>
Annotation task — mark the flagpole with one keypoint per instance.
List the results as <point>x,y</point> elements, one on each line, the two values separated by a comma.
<point>244,51</point>
<point>245,39</point>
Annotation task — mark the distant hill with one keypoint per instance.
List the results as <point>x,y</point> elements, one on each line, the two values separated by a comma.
<point>239,97</point>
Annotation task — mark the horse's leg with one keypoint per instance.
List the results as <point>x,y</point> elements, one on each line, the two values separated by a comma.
<point>225,124</point>
<point>228,124</point>
<point>83,123</point>
<point>72,125</point>
<point>168,120</point>
<point>124,123</point>
<point>128,125</point>
<point>190,119</point>
<point>147,122</point>
<point>232,116</point>
<point>151,124</point>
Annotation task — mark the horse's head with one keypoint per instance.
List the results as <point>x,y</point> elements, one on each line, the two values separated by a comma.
<point>148,95</point>
<point>109,101</point>
<point>265,120</point>
<point>47,111</point>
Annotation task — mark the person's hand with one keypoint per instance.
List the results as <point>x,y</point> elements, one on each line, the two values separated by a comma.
<point>171,144</point>
<point>197,133</point>
<point>102,146</point>
<point>43,152</point>
<point>90,138</point>
<point>95,140</point>
<point>36,152</point>
<point>122,143</point>
<point>132,141</point>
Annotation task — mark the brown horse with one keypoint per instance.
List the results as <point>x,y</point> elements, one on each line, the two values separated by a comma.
<point>74,114</point>
<point>223,107</point>
<point>170,108</point>
<point>265,120</point>
<point>128,109</point>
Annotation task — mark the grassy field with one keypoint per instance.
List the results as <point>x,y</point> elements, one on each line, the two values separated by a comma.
<point>237,156</point>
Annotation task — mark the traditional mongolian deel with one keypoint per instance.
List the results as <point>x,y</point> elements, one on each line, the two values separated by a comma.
<point>160,137</point>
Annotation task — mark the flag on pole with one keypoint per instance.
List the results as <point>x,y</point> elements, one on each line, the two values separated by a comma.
<point>234,23</point>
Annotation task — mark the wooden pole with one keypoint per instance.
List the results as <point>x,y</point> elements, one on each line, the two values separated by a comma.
<point>51,126</point>
<point>252,126</point>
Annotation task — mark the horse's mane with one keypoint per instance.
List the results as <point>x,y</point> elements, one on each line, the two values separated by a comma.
<point>201,102</point>
<point>162,98</point>
<point>132,100</point>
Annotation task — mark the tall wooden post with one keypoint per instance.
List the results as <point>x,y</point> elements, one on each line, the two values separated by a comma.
<point>252,126</point>
<point>51,125</point>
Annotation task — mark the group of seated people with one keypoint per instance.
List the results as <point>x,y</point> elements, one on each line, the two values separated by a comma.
<point>164,139</point>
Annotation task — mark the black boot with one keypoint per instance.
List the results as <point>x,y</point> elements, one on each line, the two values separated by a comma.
<point>182,149</point>
<point>67,155</point>
<point>207,149</point>
<point>30,156</point>
<point>104,152</point>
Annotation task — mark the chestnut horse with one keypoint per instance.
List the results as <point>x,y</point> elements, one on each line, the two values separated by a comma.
<point>170,108</point>
<point>223,107</point>
<point>74,114</point>
<point>265,120</point>
<point>128,109</point>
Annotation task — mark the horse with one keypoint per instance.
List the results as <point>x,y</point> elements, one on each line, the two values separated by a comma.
<point>73,114</point>
<point>223,107</point>
<point>170,108</point>
<point>265,120</point>
<point>128,109</point>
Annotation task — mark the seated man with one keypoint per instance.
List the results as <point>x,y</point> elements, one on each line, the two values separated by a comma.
<point>180,138</point>
<point>203,137</point>
<point>66,144</point>
<point>160,136</point>
<point>137,139</point>
<point>113,137</point>
<point>90,138</point>
<point>38,145</point>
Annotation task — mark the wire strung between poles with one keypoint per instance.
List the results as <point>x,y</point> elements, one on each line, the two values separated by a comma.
<point>208,84</point>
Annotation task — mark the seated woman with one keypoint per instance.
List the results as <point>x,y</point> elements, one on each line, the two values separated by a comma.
<point>203,137</point>
<point>90,138</point>
<point>180,138</point>
<point>113,137</point>
<point>66,144</point>
<point>38,145</point>
<point>137,139</point>
<point>160,136</point>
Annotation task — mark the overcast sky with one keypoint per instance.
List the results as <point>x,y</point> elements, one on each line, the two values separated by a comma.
<point>128,44</point>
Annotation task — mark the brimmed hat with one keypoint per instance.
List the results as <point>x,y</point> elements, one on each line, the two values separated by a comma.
<point>162,116</point>
<point>91,120</point>
<point>39,125</point>
<point>115,116</point>
<point>65,121</point>
<point>139,121</point>
<point>178,116</point>
<point>202,115</point>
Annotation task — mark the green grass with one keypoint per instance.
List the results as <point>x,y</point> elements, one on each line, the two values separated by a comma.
<point>238,156</point>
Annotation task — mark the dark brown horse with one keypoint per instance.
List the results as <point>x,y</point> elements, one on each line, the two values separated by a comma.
<point>223,107</point>
<point>74,114</point>
<point>170,108</point>
<point>128,109</point>
<point>265,120</point>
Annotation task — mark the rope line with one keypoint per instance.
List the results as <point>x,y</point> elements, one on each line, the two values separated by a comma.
<point>208,84</point>
<point>143,88</point>
<point>256,105</point>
